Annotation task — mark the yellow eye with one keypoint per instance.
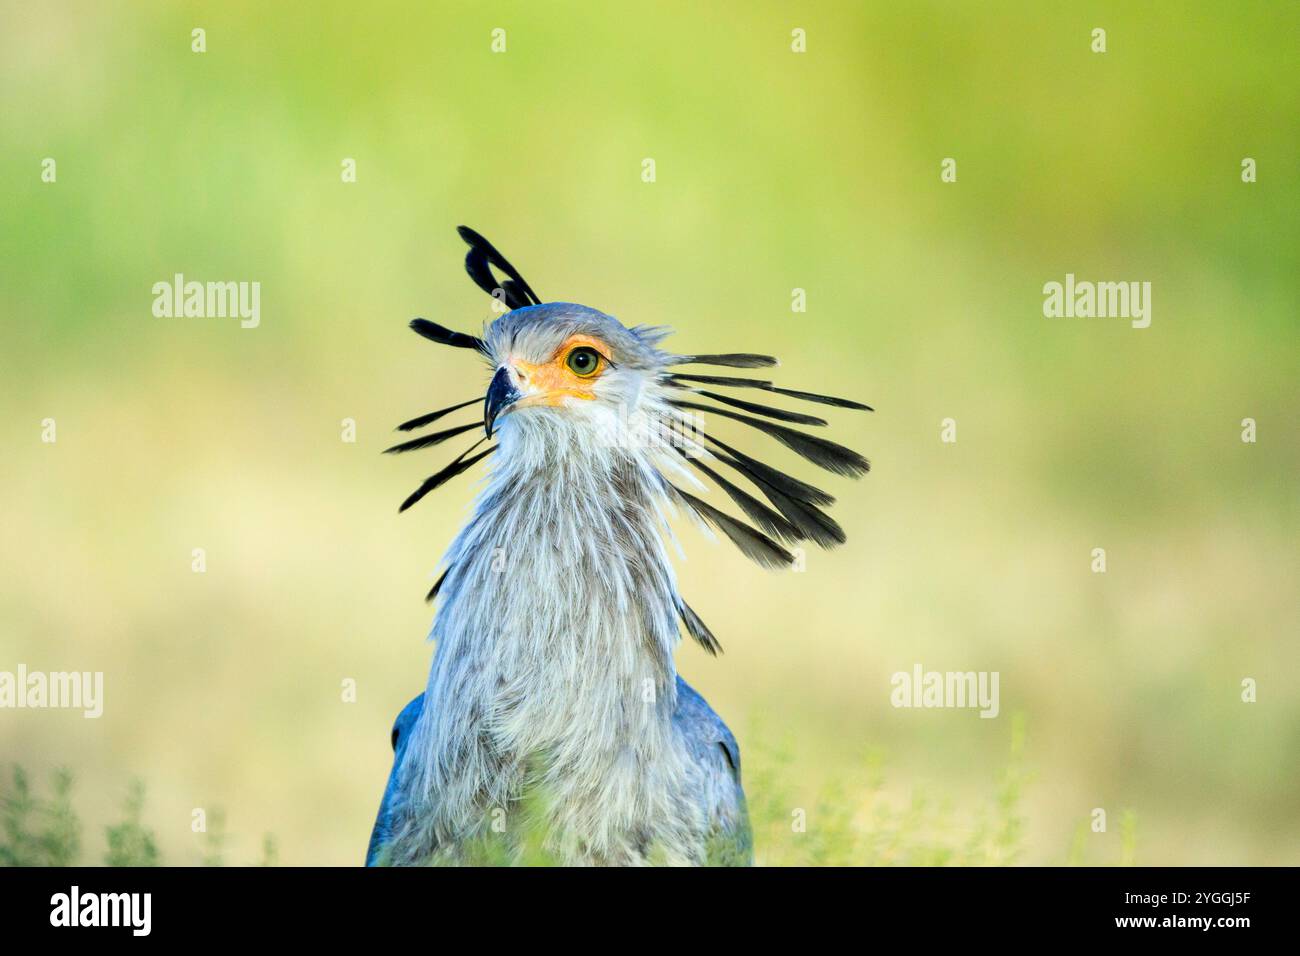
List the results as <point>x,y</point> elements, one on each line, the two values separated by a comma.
<point>583,361</point>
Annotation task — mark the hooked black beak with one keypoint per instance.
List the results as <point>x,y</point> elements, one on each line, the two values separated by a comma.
<point>501,395</point>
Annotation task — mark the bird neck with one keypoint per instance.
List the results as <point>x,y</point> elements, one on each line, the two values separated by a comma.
<point>557,620</point>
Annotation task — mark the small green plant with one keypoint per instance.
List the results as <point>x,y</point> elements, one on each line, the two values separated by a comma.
<point>130,843</point>
<point>1077,855</point>
<point>214,839</point>
<point>39,832</point>
<point>853,824</point>
<point>1127,838</point>
<point>269,852</point>
<point>36,831</point>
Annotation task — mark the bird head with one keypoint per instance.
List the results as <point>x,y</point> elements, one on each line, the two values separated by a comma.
<point>564,365</point>
<point>568,377</point>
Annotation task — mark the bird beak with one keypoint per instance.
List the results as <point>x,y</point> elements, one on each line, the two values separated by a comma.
<point>501,395</point>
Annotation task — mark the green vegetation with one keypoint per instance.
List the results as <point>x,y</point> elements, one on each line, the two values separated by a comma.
<point>130,843</point>
<point>850,823</point>
<point>853,823</point>
<point>37,831</point>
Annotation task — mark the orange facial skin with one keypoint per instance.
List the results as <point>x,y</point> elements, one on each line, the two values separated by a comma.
<point>551,382</point>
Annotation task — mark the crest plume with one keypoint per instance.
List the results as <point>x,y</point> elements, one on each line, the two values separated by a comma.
<point>794,509</point>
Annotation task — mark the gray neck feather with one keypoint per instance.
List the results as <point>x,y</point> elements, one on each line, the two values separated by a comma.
<point>555,634</point>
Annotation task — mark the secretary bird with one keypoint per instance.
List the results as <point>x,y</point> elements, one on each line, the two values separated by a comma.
<point>553,704</point>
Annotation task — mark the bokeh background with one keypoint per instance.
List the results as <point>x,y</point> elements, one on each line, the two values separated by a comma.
<point>775,170</point>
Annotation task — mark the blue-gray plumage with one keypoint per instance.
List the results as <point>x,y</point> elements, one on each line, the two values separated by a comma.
<point>553,711</point>
<point>709,739</point>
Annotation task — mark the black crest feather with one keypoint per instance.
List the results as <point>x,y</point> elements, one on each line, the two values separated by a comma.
<point>431,417</point>
<point>820,451</point>
<point>444,336</point>
<point>759,513</point>
<point>821,399</point>
<point>730,359</point>
<point>437,586</point>
<point>753,469</point>
<point>805,516</point>
<point>753,544</point>
<point>734,382</point>
<point>697,628</point>
<point>428,441</point>
<point>482,255</point>
<point>780,414</point>
<point>460,464</point>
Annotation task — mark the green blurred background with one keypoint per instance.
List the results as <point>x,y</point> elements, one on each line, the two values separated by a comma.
<point>775,170</point>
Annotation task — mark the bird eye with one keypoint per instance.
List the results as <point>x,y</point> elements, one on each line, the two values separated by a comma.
<point>583,361</point>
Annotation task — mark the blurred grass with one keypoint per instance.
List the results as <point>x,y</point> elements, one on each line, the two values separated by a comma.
<point>852,823</point>
<point>855,821</point>
<point>46,831</point>
<point>775,171</point>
